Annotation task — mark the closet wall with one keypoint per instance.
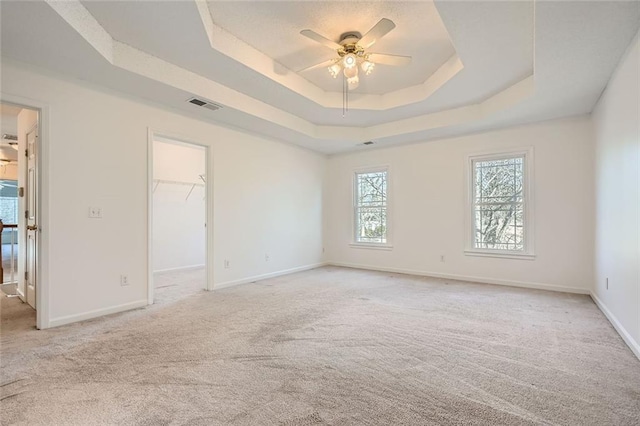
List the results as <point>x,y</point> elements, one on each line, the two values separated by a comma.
<point>178,206</point>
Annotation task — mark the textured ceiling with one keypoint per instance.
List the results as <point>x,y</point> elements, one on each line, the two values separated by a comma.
<point>165,52</point>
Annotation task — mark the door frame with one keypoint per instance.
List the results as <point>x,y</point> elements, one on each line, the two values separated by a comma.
<point>42,200</point>
<point>151,136</point>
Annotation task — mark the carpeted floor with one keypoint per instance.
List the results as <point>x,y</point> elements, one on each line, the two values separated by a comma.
<point>172,286</point>
<point>328,346</point>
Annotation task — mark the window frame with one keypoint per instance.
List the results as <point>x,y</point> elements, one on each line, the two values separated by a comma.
<point>354,206</point>
<point>528,253</point>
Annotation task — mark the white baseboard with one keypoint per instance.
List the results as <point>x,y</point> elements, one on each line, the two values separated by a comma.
<point>633,345</point>
<point>484,280</point>
<point>180,268</point>
<point>55,322</point>
<point>268,275</point>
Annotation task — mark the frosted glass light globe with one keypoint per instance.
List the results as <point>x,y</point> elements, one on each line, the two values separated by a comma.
<point>354,82</point>
<point>351,72</point>
<point>350,60</point>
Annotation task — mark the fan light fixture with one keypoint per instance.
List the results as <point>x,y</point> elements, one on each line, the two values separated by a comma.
<point>349,65</point>
<point>367,66</point>
<point>334,70</point>
<point>349,60</point>
<point>353,55</point>
<point>353,82</point>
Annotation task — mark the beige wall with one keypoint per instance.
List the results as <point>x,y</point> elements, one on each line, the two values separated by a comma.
<point>268,196</point>
<point>427,192</point>
<point>617,248</point>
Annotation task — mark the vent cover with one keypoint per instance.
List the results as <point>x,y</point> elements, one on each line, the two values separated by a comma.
<point>204,104</point>
<point>9,137</point>
<point>368,143</point>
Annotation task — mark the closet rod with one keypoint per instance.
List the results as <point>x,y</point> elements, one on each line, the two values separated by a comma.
<point>175,182</point>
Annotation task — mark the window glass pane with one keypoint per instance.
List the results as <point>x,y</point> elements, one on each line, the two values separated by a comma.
<point>371,207</point>
<point>499,227</point>
<point>372,188</point>
<point>499,204</point>
<point>9,201</point>
<point>499,180</point>
<point>372,224</point>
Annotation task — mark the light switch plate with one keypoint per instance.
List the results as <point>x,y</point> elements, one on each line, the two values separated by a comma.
<point>95,212</point>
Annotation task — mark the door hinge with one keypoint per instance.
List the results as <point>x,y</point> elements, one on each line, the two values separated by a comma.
<point>26,275</point>
<point>26,214</point>
<point>26,153</point>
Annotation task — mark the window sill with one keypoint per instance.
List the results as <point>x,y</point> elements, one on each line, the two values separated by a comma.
<point>371,246</point>
<point>520,256</point>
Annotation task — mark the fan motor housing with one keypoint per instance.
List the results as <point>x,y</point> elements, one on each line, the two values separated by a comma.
<point>349,42</point>
<point>350,37</point>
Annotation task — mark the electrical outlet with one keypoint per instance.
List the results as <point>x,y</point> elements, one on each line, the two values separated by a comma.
<point>95,212</point>
<point>442,258</point>
<point>124,280</point>
<point>266,257</point>
<point>607,281</point>
<point>227,264</point>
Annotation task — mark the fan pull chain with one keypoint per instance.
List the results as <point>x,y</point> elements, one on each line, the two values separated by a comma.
<point>345,96</point>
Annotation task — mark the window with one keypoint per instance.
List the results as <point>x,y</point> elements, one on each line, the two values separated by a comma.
<point>500,198</point>
<point>9,201</point>
<point>370,207</point>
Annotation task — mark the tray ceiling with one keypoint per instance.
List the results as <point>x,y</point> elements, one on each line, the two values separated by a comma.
<point>513,62</point>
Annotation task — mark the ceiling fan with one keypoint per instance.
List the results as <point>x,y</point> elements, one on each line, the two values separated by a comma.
<point>352,50</point>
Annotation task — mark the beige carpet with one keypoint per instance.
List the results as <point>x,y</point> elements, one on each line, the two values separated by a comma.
<point>328,346</point>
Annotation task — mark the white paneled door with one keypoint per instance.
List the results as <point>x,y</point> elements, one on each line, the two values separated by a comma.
<point>31,217</point>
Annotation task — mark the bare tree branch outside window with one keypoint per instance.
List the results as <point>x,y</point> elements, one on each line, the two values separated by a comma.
<point>371,207</point>
<point>498,203</point>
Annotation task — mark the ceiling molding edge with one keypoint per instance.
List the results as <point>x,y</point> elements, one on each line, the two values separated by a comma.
<point>81,20</point>
<point>146,65</point>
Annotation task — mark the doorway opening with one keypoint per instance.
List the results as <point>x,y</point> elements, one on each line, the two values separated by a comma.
<point>19,211</point>
<point>178,205</point>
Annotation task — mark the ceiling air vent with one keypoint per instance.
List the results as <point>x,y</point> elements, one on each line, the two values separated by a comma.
<point>368,143</point>
<point>204,104</point>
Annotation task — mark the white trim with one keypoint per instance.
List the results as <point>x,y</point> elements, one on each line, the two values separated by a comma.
<point>169,137</point>
<point>268,275</point>
<point>481,280</point>
<point>503,255</point>
<point>529,219</point>
<point>628,339</point>
<point>371,246</point>
<point>68,319</point>
<point>181,268</point>
<point>44,244</point>
<point>209,214</point>
<point>371,169</point>
<point>150,283</point>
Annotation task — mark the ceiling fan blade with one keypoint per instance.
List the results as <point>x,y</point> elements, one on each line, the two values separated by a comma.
<point>320,39</point>
<point>396,60</point>
<point>378,31</point>
<point>326,63</point>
